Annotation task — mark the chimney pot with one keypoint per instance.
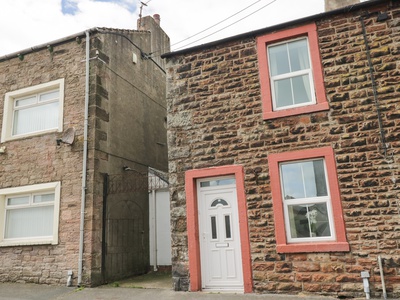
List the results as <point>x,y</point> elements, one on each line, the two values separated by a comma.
<point>336,4</point>
<point>156,18</point>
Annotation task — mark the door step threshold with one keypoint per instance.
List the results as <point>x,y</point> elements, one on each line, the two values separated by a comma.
<point>224,291</point>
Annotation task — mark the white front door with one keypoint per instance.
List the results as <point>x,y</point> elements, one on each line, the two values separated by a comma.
<point>221,257</point>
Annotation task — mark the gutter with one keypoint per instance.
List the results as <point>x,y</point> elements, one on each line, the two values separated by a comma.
<point>44,46</point>
<point>84,164</point>
<point>261,31</point>
<point>60,41</point>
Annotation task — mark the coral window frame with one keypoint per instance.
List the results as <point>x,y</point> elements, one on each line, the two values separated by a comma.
<point>327,153</point>
<point>309,31</point>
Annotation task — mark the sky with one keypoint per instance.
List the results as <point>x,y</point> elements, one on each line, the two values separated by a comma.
<point>28,23</point>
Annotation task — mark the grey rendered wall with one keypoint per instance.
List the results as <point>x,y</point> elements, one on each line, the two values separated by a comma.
<point>128,101</point>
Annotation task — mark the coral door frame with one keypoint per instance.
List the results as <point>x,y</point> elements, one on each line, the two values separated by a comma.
<point>191,178</point>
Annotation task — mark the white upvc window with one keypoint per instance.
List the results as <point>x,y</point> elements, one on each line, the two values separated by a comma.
<point>291,76</point>
<point>30,214</point>
<point>306,201</point>
<point>33,110</point>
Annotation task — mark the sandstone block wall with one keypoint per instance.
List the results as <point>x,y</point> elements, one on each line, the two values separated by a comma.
<point>125,128</point>
<point>38,159</point>
<point>215,118</point>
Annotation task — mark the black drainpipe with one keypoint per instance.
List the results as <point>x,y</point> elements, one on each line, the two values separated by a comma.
<point>381,17</point>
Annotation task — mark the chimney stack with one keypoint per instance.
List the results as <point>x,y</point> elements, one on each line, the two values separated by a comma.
<point>336,4</point>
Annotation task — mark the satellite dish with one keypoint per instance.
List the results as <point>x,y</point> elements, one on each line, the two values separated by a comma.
<point>68,137</point>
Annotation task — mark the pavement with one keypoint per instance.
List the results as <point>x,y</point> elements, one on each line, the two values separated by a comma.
<point>20,291</point>
<point>138,288</point>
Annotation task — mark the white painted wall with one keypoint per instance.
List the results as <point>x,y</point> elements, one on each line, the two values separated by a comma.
<point>160,228</point>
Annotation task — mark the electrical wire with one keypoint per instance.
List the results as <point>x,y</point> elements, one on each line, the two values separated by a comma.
<point>227,25</point>
<point>134,86</point>
<point>142,53</point>
<point>231,16</point>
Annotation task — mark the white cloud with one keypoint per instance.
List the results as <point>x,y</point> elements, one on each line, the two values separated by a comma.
<point>104,14</point>
<point>22,23</point>
<point>185,18</point>
<point>27,23</point>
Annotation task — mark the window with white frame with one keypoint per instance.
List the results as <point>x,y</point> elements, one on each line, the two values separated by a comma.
<point>306,200</point>
<point>30,214</point>
<point>33,110</point>
<point>307,206</point>
<point>290,74</point>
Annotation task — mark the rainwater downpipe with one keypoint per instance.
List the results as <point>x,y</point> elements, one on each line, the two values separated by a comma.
<point>371,72</point>
<point>382,277</point>
<point>84,164</point>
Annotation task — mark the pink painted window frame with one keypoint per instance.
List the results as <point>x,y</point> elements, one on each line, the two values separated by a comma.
<point>193,225</point>
<point>283,246</point>
<point>309,30</point>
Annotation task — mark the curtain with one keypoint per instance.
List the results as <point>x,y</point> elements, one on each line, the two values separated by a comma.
<point>36,118</point>
<point>320,178</point>
<point>29,222</point>
<point>299,58</point>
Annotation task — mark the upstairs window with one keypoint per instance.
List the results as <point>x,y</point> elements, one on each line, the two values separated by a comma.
<point>36,113</point>
<point>290,72</point>
<point>291,76</point>
<point>33,110</point>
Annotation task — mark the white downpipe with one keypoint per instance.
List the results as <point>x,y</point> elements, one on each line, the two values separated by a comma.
<point>382,278</point>
<point>155,246</point>
<point>84,164</point>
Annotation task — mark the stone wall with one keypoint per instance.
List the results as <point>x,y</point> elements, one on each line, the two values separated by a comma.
<point>126,127</point>
<point>215,118</point>
<point>38,159</point>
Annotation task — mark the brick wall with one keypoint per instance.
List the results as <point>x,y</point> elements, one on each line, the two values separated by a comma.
<point>215,118</point>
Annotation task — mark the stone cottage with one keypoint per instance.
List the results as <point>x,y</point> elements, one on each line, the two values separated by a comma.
<point>284,148</point>
<point>82,120</point>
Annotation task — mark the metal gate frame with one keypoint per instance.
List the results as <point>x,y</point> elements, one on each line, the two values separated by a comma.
<point>128,181</point>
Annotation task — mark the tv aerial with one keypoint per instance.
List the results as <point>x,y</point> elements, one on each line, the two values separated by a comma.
<point>141,9</point>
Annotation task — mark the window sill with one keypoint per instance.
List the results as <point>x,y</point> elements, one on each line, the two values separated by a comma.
<point>27,243</point>
<point>29,135</point>
<point>313,247</point>
<point>296,111</point>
